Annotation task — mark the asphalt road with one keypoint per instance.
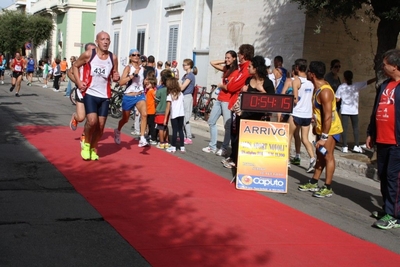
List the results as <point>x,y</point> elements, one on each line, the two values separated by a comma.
<point>44,222</point>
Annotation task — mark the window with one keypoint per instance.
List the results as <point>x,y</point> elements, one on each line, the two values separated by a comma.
<point>140,40</point>
<point>173,42</point>
<point>116,43</point>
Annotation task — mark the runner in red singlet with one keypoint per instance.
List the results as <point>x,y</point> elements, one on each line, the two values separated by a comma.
<point>17,67</point>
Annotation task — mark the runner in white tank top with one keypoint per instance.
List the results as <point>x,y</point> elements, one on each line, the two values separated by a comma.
<point>300,120</point>
<point>103,69</point>
<point>303,107</point>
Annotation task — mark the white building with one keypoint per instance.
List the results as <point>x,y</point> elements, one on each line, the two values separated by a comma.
<point>201,29</point>
<point>167,29</point>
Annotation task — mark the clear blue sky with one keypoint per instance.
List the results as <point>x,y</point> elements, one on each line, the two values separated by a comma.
<point>6,3</point>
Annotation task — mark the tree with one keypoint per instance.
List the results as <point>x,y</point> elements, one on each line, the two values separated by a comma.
<point>387,12</point>
<point>18,28</point>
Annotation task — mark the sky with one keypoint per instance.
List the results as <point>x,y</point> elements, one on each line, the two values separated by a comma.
<point>6,3</point>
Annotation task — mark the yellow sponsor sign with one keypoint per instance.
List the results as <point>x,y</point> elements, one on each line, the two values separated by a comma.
<point>263,156</point>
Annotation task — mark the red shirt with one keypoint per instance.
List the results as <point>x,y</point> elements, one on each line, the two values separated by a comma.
<point>385,116</point>
<point>237,83</point>
<point>18,66</point>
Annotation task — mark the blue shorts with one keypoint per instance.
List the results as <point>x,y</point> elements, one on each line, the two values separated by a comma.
<point>129,102</point>
<point>301,121</point>
<point>98,105</point>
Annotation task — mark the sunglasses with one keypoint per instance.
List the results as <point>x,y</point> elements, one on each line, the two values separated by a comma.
<point>337,67</point>
<point>135,55</point>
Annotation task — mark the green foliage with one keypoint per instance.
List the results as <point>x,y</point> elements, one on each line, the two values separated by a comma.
<point>18,28</point>
<point>345,9</point>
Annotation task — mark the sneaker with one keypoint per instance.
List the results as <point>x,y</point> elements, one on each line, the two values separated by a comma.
<point>229,164</point>
<point>188,141</point>
<point>345,149</point>
<point>73,123</point>
<point>160,146</point>
<point>377,214</point>
<point>387,222</point>
<point>143,143</point>
<point>29,84</point>
<point>85,152</point>
<point>311,167</point>
<point>221,152</point>
<point>82,141</point>
<point>44,86</point>
<point>225,160</point>
<point>167,145</point>
<point>182,149</point>
<point>295,161</point>
<point>153,143</point>
<point>117,136</point>
<point>309,187</point>
<point>12,88</point>
<point>16,94</point>
<point>93,155</point>
<point>135,133</point>
<point>357,149</point>
<point>56,90</point>
<point>323,192</point>
<point>171,149</point>
<point>209,150</point>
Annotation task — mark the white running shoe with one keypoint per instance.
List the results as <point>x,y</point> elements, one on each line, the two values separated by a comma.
<point>357,149</point>
<point>143,143</point>
<point>171,149</point>
<point>209,150</point>
<point>221,152</point>
<point>117,136</point>
<point>345,149</point>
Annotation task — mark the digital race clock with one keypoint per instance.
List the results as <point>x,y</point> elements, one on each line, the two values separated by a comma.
<point>267,103</point>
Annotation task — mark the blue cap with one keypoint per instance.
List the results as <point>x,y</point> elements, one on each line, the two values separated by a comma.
<point>133,50</point>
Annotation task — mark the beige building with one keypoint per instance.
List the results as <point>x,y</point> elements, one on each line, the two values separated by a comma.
<point>277,27</point>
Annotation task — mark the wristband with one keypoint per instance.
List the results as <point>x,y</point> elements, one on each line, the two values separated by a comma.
<point>324,136</point>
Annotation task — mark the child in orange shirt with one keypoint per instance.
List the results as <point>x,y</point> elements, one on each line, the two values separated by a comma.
<point>151,109</point>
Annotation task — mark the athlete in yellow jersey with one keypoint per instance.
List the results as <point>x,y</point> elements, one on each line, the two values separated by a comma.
<point>327,128</point>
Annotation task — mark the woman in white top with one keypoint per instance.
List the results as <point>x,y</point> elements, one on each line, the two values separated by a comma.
<point>133,97</point>
<point>300,119</point>
<point>348,94</point>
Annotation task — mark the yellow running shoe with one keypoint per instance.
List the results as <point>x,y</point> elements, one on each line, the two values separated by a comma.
<point>85,152</point>
<point>93,154</point>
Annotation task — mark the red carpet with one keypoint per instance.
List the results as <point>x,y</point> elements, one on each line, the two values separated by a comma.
<point>178,214</point>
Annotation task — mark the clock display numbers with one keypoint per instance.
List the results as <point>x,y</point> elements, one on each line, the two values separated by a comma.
<point>267,103</point>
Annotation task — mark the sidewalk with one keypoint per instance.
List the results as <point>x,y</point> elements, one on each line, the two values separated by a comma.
<point>359,164</point>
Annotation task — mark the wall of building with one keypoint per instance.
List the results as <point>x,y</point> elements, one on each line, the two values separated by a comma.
<point>154,17</point>
<point>274,27</point>
<point>73,22</point>
<point>356,52</point>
